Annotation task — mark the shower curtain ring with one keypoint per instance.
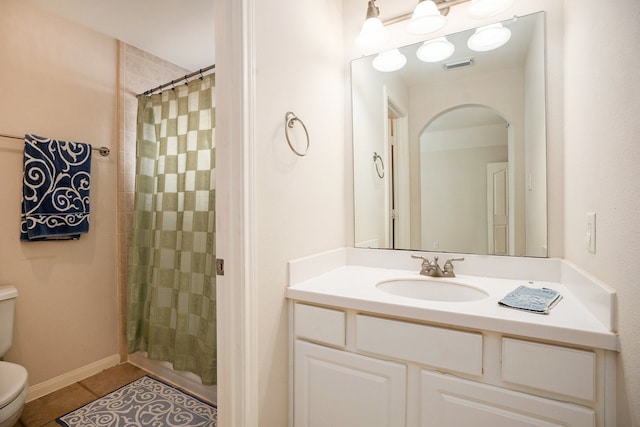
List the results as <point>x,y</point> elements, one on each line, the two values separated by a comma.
<point>173,87</point>
<point>201,76</point>
<point>186,79</point>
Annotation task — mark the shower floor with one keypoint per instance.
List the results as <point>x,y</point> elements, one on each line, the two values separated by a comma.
<point>187,381</point>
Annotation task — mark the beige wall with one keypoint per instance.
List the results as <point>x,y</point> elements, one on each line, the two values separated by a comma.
<point>61,80</point>
<point>602,172</point>
<point>58,80</point>
<point>300,201</point>
<point>139,72</point>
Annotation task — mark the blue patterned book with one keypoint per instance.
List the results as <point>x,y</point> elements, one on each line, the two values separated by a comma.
<point>535,300</point>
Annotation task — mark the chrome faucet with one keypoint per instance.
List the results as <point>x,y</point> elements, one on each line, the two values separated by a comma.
<point>432,268</point>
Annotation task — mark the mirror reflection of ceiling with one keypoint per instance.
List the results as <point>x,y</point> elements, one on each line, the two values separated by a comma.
<point>179,32</point>
<point>511,55</point>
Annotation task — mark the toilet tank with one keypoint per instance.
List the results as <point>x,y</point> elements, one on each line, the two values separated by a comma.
<point>8,296</point>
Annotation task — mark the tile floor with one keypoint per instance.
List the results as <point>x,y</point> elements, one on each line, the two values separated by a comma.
<point>44,411</point>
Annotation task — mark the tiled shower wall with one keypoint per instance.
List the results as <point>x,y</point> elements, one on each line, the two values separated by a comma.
<point>139,71</point>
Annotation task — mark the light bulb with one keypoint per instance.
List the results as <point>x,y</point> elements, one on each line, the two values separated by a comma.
<point>391,60</point>
<point>489,37</point>
<point>435,50</point>
<point>426,18</point>
<point>372,35</point>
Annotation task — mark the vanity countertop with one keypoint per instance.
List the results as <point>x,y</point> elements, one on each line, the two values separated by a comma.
<point>354,287</point>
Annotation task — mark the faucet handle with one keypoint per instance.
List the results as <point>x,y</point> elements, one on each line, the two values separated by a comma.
<point>448,267</point>
<point>424,268</point>
<point>425,259</point>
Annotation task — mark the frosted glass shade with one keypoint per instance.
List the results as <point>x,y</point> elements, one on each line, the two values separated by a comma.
<point>391,60</point>
<point>486,8</point>
<point>372,35</point>
<point>435,50</point>
<point>489,37</point>
<point>426,18</point>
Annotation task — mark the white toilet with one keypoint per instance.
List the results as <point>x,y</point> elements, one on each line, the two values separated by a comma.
<point>13,378</point>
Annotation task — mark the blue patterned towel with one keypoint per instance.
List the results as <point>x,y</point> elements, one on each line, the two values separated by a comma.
<point>536,300</point>
<point>55,189</point>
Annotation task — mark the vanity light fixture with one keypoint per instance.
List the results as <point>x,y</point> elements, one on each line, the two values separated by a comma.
<point>373,32</point>
<point>435,50</point>
<point>426,18</point>
<point>480,9</point>
<point>390,60</point>
<point>489,37</point>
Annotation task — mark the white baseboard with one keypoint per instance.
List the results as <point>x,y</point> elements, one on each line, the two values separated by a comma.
<point>38,390</point>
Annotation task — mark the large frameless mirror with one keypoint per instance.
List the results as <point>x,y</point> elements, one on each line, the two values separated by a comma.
<point>450,156</point>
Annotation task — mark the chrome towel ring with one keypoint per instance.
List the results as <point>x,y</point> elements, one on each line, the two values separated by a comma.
<point>377,160</point>
<point>290,120</point>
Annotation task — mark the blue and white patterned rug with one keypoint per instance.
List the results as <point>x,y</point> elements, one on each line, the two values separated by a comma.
<point>144,402</point>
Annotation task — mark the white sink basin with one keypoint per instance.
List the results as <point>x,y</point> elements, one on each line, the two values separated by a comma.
<point>432,290</point>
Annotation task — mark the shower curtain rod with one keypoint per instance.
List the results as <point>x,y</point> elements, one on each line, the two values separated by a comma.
<point>104,151</point>
<point>186,78</point>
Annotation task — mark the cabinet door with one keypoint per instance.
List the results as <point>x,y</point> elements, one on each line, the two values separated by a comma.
<point>341,389</point>
<point>448,401</point>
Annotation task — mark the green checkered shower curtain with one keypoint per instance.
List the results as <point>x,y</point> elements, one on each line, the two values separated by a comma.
<point>171,311</point>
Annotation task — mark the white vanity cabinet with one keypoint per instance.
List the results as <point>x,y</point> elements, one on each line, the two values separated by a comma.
<point>363,369</point>
<point>333,387</point>
<point>448,401</point>
<point>338,388</point>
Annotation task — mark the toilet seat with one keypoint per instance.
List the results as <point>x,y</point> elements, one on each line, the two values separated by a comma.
<point>13,382</point>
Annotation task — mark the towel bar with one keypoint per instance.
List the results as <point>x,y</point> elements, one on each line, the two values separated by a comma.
<point>104,151</point>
